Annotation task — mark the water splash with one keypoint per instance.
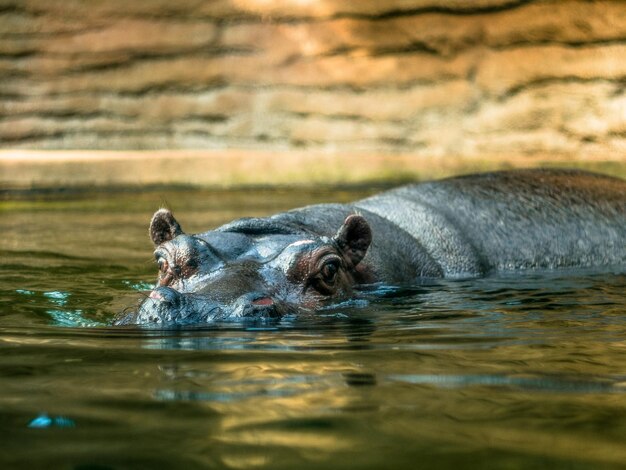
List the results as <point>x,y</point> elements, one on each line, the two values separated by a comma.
<point>44,421</point>
<point>72,319</point>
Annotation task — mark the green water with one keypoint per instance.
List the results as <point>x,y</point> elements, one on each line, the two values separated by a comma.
<point>513,372</point>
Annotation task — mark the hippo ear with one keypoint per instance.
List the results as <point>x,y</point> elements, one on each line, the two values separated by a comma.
<point>354,238</point>
<point>163,227</point>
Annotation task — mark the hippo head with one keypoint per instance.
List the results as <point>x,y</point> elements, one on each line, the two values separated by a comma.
<point>252,268</point>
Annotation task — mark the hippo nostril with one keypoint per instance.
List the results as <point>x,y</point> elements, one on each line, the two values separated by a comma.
<point>256,305</point>
<point>263,301</point>
<point>165,295</point>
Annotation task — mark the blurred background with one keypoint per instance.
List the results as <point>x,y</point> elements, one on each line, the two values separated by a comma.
<point>236,92</point>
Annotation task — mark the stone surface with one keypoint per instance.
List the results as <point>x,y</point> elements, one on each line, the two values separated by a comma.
<point>429,78</point>
<point>44,169</point>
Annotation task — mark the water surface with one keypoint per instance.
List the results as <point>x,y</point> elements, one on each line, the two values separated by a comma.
<point>511,372</point>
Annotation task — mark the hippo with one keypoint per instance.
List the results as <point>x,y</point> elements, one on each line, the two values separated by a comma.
<point>314,257</point>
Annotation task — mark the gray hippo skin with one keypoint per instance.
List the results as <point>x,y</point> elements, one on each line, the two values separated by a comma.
<point>461,227</point>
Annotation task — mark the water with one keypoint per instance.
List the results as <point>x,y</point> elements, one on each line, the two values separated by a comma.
<point>513,372</point>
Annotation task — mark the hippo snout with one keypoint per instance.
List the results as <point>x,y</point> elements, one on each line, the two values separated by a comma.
<point>165,295</point>
<point>162,307</point>
<point>165,306</point>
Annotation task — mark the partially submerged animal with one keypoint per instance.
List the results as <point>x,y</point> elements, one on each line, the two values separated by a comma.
<point>307,258</point>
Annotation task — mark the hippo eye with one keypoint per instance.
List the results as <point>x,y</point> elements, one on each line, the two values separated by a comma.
<point>329,271</point>
<point>325,279</point>
<point>162,262</point>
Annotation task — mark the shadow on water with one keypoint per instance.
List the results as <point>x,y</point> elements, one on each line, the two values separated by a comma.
<point>515,371</point>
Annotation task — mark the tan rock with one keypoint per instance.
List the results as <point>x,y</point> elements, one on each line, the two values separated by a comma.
<point>380,105</point>
<point>441,33</point>
<point>506,71</point>
<point>426,77</point>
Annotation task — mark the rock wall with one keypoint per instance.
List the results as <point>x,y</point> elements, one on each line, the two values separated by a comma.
<point>425,77</point>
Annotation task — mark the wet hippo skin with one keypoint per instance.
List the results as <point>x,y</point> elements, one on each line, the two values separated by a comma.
<point>307,258</point>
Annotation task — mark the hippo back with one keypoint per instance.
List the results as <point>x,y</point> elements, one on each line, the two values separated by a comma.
<point>512,220</point>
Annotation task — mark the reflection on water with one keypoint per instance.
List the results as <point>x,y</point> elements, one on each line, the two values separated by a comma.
<point>517,371</point>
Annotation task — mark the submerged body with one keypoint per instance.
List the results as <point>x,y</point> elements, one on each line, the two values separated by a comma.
<point>306,258</point>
